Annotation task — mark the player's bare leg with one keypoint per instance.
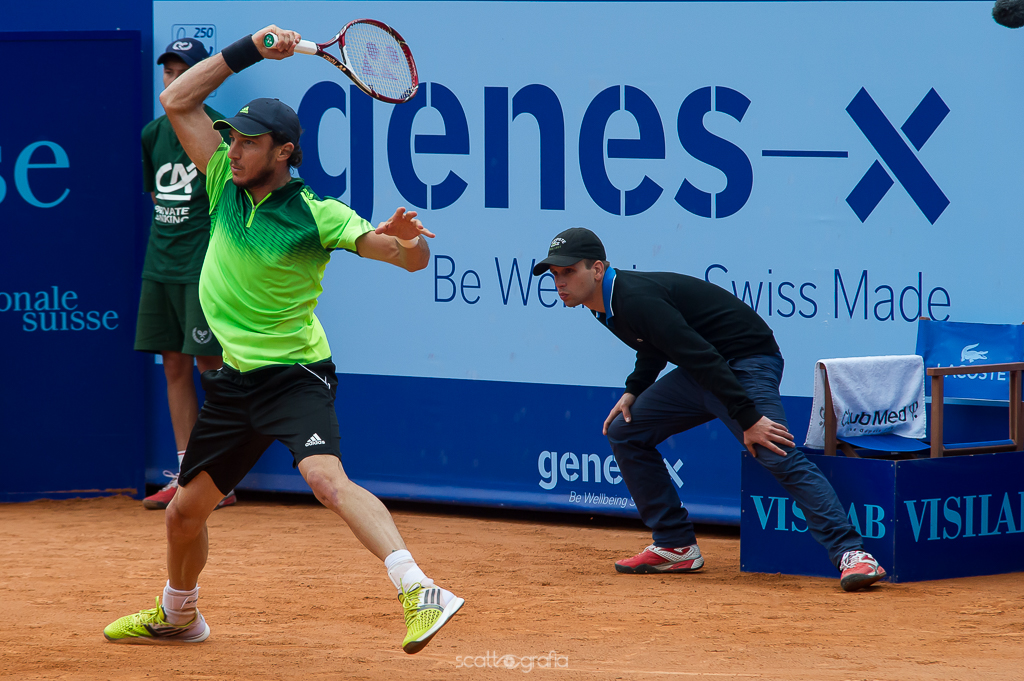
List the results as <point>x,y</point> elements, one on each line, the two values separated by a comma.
<point>427,607</point>
<point>368,518</point>
<point>176,618</point>
<point>188,543</point>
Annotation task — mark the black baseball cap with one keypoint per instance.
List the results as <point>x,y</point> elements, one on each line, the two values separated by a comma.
<point>189,51</point>
<point>569,247</point>
<point>264,115</point>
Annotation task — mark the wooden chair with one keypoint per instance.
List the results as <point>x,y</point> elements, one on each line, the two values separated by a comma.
<point>935,445</point>
<point>1016,442</point>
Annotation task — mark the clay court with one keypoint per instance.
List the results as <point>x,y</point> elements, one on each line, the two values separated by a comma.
<point>290,594</point>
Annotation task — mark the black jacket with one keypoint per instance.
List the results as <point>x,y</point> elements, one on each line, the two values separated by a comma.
<point>698,326</point>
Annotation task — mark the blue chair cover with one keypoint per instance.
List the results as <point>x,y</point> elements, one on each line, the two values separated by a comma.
<point>944,344</point>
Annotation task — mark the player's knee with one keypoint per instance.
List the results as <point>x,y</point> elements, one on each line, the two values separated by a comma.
<point>320,487</point>
<point>176,523</point>
<point>181,523</point>
<point>325,485</point>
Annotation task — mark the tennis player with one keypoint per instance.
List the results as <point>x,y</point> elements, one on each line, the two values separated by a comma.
<point>728,366</point>
<point>271,238</point>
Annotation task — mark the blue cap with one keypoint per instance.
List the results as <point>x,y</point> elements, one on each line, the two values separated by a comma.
<point>186,49</point>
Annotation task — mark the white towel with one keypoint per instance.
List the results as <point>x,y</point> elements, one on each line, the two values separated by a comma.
<point>870,395</point>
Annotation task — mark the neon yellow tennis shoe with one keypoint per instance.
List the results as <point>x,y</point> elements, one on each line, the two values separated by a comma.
<point>150,626</point>
<point>426,611</point>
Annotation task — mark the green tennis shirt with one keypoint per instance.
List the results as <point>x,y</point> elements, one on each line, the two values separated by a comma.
<point>264,266</point>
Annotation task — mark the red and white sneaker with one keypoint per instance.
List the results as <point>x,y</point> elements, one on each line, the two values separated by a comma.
<point>860,569</point>
<point>657,560</point>
<point>163,497</point>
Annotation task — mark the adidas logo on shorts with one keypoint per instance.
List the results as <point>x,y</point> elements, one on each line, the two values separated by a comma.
<point>315,440</point>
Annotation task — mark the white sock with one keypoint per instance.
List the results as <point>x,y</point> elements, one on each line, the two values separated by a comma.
<point>180,606</point>
<point>404,572</point>
<point>181,455</point>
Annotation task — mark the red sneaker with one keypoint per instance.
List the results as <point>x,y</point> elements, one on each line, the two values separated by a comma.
<point>229,500</point>
<point>859,570</point>
<point>163,497</point>
<point>658,560</point>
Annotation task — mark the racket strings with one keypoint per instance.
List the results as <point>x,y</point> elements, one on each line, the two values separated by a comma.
<point>379,61</point>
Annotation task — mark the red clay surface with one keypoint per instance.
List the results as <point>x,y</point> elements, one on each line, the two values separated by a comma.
<point>290,594</point>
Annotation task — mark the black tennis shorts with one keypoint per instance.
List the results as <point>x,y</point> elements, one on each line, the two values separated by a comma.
<point>244,413</point>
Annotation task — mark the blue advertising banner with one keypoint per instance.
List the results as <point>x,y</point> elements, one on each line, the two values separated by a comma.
<point>922,519</point>
<point>839,166</point>
<point>70,181</point>
<point>770,147</point>
<point>509,447</point>
<point>968,507</point>
<point>773,531</point>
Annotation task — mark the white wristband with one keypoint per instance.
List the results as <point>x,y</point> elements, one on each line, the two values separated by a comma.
<point>409,243</point>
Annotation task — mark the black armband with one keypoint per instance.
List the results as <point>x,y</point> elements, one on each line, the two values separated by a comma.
<point>241,54</point>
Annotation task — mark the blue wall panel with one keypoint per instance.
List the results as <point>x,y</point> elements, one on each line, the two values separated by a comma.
<point>69,178</point>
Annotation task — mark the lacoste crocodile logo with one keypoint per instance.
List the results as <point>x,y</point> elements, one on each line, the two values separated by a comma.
<point>969,354</point>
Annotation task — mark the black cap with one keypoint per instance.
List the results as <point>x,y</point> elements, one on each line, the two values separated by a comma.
<point>264,115</point>
<point>189,51</point>
<point>569,247</point>
<point>1009,13</point>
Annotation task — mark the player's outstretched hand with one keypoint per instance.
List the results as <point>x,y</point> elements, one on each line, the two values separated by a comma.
<point>766,433</point>
<point>284,47</point>
<point>403,225</point>
<point>623,405</point>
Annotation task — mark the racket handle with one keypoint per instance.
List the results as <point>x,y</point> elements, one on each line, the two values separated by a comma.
<point>304,46</point>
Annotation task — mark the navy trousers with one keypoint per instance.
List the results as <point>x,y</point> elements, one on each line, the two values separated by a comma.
<point>676,403</point>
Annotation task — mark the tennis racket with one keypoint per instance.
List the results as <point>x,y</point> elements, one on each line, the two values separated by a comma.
<point>373,55</point>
